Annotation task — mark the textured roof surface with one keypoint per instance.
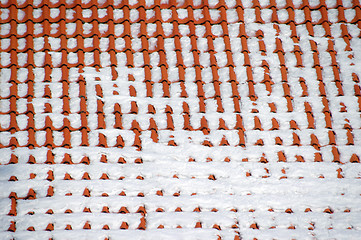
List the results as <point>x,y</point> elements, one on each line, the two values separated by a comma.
<point>180,120</point>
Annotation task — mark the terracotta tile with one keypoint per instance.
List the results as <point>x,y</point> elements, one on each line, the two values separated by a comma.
<point>102,142</point>
<point>257,124</point>
<point>354,159</point>
<point>12,227</point>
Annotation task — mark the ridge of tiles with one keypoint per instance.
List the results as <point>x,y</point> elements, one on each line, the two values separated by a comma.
<point>196,119</point>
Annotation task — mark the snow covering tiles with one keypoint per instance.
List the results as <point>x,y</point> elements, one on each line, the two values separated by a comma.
<point>180,119</point>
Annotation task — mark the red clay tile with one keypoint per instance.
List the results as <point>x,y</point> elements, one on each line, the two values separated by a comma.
<point>124,225</point>
<point>318,157</point>
<point>137,142</point>
<point>31,195</point>
<point>336,155</point>
<point>207,143</point>
<point>354,159</point>
<point>275,125</point>
<point>102,142</point>
<point>281,156</point>
<point>257,124</point>
<point>67,177</point>
<point>86,176</point>
<point>204,126</point>
<point>12,227</point>
<point>198,225</point>
<point>86,192</point>
<point>299,158</point>
<point>224,142</point>
<point>296,139</point>
<point>314,142</point>
<point>259,142</point>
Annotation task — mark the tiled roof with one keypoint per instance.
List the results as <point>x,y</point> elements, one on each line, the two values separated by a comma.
<point>180,120</point>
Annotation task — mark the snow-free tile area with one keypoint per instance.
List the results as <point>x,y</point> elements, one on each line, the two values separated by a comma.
<point>162,119</point>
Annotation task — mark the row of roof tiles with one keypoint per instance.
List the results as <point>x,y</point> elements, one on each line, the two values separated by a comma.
<point>183,4</point>
<point>173,44</point>
<point>335,153</point>
<point>266,173</point>
<point>142,209</point>
<point>95,30</point>
<point>13,125</point>
<point>142,43</point>
<point>120,143</point>
<point>100,114</point>
<point>80,54</point>
<point>15,87</point>
<point>166,86</point>
<point>142,225</point>
<point>180,69</point>
<point>172,15</point>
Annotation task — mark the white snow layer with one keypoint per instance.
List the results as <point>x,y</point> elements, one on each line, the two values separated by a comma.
<point>243,192</point>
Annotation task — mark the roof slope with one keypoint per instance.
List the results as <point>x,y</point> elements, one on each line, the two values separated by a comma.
<point>180,120</point>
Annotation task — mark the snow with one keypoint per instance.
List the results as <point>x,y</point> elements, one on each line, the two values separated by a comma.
<point>281,4</point>
<point>232,16</point>
<point>151,28</point>
<point>21,14</point>
<point>5,58</point>
<point>332,15</point>
<point>347,4</point>
<point>54,28</point>
<point>4,13</point>
<point>103,28</point>
<point>249,15</point>
<point>166,14</point>
<point>150,14</point>
<point>118,14</point>
<point>299,16</point>
<point>215,14</point>
<point>314,3</point>
<point>21,29</point>
<point>118,30</point>
<point>274,185</point>
<point>167,28</point>
<point>72,43</point>
<point>37,12</point>
<point>5,43</point>
<point>353,31</point>
<point>105,59</point>
<point>331,3</point>
<point>54,43</point>
<point>134,15</point>
<point>87,13</point>
<point>102,13</point>
<point>282,15</point>
<point>70,14</point>
<point>230,3</point>
<point>182,13</point>
<point>183,30</point>
<point>264,3</point>
<point>266,15</point>
<point>5,29</point>
<point>316,16</point>
<point>217,30</point>
<point>104,44</point>
<point>54,12</point>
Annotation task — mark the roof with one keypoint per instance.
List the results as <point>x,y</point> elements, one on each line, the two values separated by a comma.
<point>180,119</point>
